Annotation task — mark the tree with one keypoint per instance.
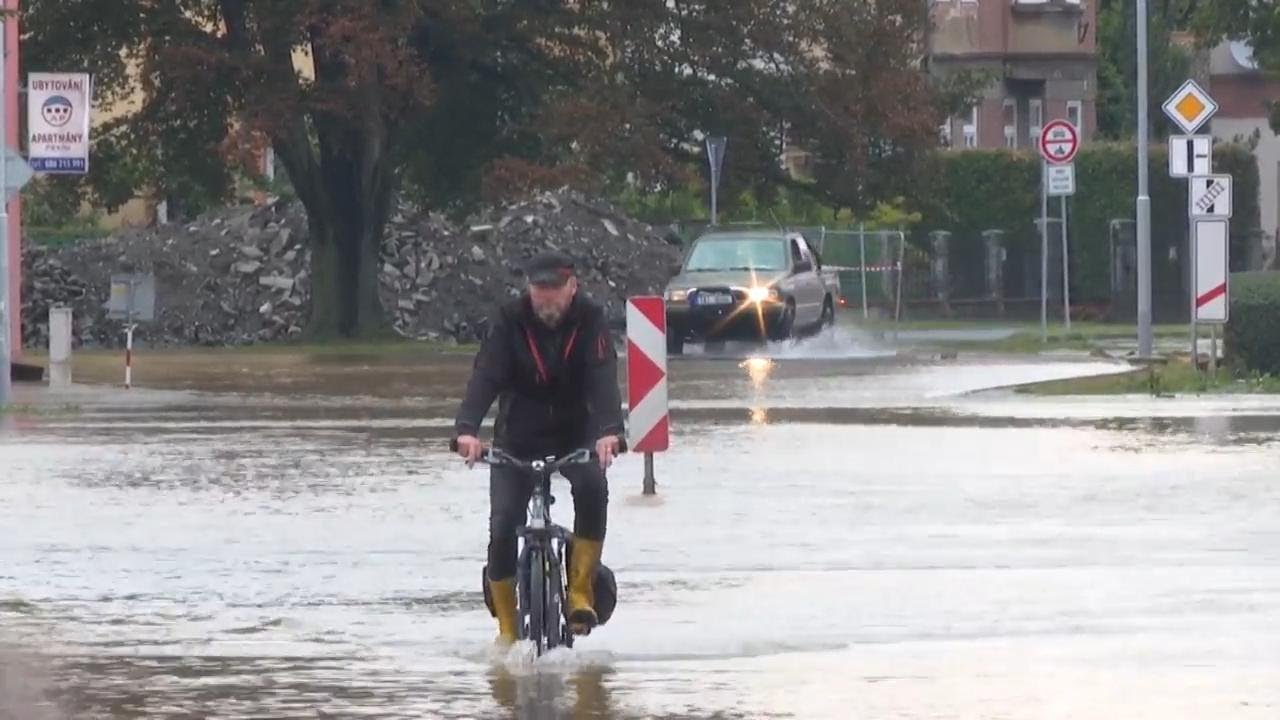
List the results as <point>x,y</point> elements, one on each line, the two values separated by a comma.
<point>1168,64</point>
<point>1257,23</point>
<point>463,99</point>
<point>208,67</point>
<point>840,79</point>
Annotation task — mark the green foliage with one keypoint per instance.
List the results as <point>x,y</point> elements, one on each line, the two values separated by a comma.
<point>1253,334</point>
<point>51,212</point>
<point>1168,64</point>
<point>1256,22</point>
<point>997,189</point>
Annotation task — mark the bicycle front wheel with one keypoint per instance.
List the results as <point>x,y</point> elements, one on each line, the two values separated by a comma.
<point>537,617</point>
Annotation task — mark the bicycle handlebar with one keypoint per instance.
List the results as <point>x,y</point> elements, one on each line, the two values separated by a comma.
<point>495,456</point>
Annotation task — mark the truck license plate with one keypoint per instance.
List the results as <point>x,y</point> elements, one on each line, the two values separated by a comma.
<point>715,299</point>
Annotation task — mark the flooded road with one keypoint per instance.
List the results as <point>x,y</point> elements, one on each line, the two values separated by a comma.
<point>834,537</point>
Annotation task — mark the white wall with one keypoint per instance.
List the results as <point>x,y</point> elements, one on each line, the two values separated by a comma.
<point>1268,153</point>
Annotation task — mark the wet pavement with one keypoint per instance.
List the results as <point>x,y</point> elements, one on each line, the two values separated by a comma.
<point>840,532</point>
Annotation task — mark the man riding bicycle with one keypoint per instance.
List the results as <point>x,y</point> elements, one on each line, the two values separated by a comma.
<point>549,359</point>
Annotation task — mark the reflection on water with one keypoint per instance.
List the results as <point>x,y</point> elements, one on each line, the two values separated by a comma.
<point>758,369</point>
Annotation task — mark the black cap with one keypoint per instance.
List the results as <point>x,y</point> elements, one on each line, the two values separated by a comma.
<point>549,268</point>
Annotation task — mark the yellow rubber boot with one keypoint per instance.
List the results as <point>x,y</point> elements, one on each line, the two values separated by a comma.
<point>503,595</point>
<point>582,570</point>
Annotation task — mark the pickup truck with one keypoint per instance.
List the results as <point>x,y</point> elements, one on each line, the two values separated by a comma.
<point>753,285</point>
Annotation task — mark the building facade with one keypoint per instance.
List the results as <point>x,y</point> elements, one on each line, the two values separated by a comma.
<point>1242,92</point>
<point>1041,56</point>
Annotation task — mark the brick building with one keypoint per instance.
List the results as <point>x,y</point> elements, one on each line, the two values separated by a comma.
<point>1042,55</point>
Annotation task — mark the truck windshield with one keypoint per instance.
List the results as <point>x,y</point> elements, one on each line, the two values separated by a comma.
<point>720,254</point>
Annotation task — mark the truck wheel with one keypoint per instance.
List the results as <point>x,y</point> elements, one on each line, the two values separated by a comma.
<point>784,327</point>
<point>828,313</point>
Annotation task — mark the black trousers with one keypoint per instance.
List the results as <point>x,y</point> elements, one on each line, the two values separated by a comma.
<point>509,492</point>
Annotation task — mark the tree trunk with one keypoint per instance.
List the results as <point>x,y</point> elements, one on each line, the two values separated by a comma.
<point>346,239</point>
<point>347,194</point>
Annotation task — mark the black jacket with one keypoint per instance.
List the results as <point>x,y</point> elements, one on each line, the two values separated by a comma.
<point>557,390</point>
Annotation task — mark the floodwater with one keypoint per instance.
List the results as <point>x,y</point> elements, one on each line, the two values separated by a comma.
<point>848,535</point>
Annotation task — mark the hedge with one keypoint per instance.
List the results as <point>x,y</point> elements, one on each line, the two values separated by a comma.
<point>1253,332</point>
<point>976,190</point>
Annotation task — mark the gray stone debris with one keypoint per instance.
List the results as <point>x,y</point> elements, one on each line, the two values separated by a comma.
<point>242,274</point>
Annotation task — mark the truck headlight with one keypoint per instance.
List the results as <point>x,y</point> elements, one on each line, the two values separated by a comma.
<point>762,294</point>
<point>677,296</point>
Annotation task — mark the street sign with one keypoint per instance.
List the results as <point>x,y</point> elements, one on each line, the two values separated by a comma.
<point>17,173</point>
<point>133,298</point>
<point>59,108</point>
<point>1062,180</point>
<point>1059,142</point>
<point>1190,155</point>
<point>1210,196</point>
<point>1190,107</point>
<point>1212,279</point>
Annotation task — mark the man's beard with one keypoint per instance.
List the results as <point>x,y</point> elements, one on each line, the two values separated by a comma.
<point>550,316</point>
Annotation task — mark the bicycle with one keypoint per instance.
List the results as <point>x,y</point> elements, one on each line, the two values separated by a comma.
<point>544,550</point>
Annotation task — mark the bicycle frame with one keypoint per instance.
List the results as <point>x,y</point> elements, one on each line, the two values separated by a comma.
<point>540,588</point>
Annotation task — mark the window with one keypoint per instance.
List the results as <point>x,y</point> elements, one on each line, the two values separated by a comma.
<point>1074,115</point>
<point>1010,123</point>
<point>735,253</point>
<point>971,128</point>
<point>1035,119</point>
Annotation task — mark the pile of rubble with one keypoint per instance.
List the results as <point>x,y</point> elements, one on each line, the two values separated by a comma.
<point>243,275</point>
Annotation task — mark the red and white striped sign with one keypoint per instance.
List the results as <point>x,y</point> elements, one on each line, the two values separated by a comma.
<point>649,426</point>
<point>1211,273</point>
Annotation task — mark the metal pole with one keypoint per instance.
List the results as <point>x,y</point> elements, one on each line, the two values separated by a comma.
<point>6,352</point>
<point>1213,351</point>
<point>1044,251</point>
<point>128,357</point>
<point>1066,269</point>
<point>1195,345</point>
<point>128,343</point>
<point>650,482</point>
<point>1145,335</point>
<point>862,243</point>
<point>713,199</point>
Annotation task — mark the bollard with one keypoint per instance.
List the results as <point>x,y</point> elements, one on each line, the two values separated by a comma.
<point>59,346</point>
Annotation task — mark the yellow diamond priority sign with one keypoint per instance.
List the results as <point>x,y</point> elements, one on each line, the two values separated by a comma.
<point>1190,107</point>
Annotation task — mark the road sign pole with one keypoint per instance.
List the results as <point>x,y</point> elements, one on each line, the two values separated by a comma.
<point>1044,251</point>
<point>715,157</point>
<point>6,312</point>
<point>1213,351</point>
<point>1145,335</point>
<point>1066,269</point>
<point>650,480</point>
